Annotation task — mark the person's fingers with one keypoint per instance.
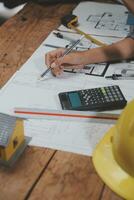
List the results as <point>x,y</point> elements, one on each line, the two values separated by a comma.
<point>68,66</point>
<point>51,56</point>
<point>60,52</point>
<point>57,63</point>
<point>48,59</point>
<point>55,58</point>
<point>70,59</point>
<point>57,71</point>
<point>58,66</point>
<point>62,61</point>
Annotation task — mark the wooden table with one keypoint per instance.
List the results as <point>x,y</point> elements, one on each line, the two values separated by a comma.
<point>41,173</point>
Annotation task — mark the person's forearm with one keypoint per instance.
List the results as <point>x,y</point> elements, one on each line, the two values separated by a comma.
<point>129,4</point>
<point>119,51</point>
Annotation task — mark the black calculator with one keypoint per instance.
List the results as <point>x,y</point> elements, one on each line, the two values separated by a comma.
<point>95,99</point>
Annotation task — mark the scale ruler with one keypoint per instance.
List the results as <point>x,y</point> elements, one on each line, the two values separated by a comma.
<point>34,113</point>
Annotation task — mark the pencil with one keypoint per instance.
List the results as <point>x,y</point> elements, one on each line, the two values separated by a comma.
<point>65,53</point>
<point>88,36</point>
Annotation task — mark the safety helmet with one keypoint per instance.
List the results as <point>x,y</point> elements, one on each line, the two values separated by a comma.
<point>113,157</point>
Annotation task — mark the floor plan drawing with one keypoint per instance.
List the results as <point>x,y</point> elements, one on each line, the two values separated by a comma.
<point>108,21</point>
<point>103,19</point>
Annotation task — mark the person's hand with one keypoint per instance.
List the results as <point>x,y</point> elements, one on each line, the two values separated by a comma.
<point>56,60</point>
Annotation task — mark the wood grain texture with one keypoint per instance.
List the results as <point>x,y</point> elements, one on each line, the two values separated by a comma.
<point>19,37</point>
<point>69,177</point>
<point>109,195</point>
<point>22,34</point>
<point>16,182</point>
<point>42,174</point>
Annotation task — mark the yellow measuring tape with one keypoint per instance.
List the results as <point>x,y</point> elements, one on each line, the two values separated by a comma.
<point>71,21</point>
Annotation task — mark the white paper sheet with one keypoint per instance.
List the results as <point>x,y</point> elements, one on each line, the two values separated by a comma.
<point>25,90</point>
<point>102,18</point>
<point>76,137</point>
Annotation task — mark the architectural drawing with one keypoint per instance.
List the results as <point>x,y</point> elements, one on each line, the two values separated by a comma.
<point>108,21</point>
<point>103,19</point>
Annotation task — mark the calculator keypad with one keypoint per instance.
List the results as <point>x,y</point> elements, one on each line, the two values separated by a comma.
<point>102,98</point>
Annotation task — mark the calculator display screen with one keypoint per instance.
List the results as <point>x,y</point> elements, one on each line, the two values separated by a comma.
<point>74,99</point>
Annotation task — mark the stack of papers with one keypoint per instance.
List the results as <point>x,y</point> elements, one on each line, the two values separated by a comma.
<point>77,137</point>
<point>25,90</point>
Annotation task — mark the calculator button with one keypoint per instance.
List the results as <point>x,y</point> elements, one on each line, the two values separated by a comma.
<point>103,98</point>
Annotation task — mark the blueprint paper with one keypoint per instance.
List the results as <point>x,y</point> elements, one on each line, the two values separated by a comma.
<point>25,90</point>
<point>102,18</point>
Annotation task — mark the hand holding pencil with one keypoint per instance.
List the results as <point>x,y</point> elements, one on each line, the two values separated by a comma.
<point>58,63</point>
<point>53,59</point>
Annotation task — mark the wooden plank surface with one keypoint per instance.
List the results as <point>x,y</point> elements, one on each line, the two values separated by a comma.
<point>71,177</point>
<point>68,176</point>
<point>109,195</point>
<point>19,37</point>
<point>41,173</point>
<point>16,183</point>
<point>22,34</point>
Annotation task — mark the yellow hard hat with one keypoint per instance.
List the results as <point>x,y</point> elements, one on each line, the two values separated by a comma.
<point>113,157</point>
